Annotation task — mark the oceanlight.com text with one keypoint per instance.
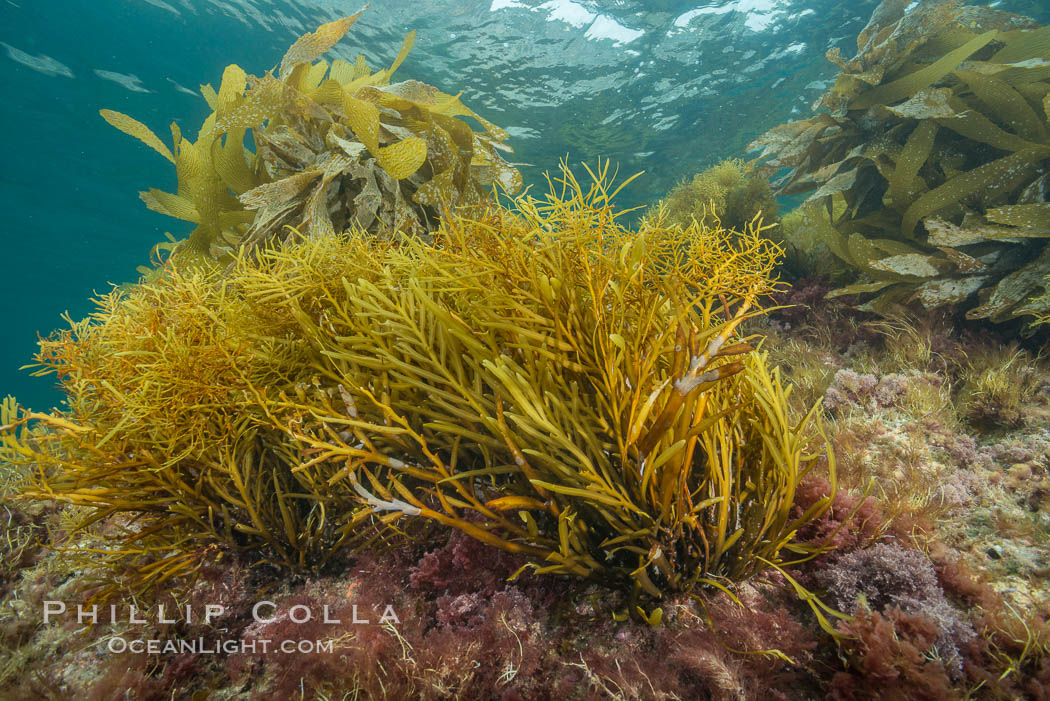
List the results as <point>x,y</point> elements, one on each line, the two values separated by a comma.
<point>201,646</point>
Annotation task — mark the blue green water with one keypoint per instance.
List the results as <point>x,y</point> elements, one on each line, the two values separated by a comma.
<point>663,86</point>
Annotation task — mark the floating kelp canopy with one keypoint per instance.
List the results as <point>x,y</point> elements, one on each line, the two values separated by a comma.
<point>930,164</point>
<point>336,146</point>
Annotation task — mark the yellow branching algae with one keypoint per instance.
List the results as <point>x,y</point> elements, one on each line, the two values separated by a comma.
<point>335,146</point>
<point>934,154</point>
<point>541,378</point>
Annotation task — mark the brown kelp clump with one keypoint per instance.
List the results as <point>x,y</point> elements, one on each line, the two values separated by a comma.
<point>336,146</point>
<point>543,380</point>
<point>930,166</point>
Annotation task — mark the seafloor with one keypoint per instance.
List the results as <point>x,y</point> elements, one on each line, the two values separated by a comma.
<point>942,438</point>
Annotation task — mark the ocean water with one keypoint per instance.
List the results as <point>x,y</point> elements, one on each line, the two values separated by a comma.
<point>665,86</point>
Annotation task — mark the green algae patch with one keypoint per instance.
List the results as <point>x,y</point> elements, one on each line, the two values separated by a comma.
<point>728,194</point>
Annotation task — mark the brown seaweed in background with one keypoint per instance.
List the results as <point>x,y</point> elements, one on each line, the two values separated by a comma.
<point>930,160</point>
<point>336,146</point>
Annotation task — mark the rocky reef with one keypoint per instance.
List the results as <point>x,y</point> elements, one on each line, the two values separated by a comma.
<point>375,431</point>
